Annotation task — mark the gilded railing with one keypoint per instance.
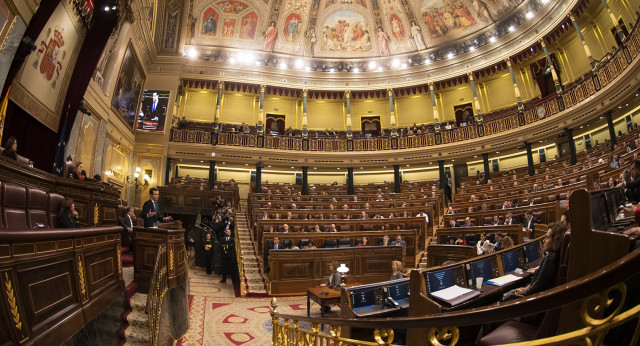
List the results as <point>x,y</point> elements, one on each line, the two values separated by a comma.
<point>240,260</point>
<point>598,298</point>
<point>157,289</point>
<point>553,104</point>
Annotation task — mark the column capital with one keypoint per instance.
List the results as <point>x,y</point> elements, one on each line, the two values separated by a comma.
<point>542,43</point>
<point>305,92</point>
<point>508,61</point>
<point>573,19</point>
<point>389,91</point>
<point>220,84</point>
<point>262,88</point>
<point>431,86</point>
<point>347,94</point>
<point>470,75</point>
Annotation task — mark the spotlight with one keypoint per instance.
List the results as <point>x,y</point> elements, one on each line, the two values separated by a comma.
<point>403,66</point>
<point>450,55</point>
<point>529,15</point>
<point>492,39</point>
<point>356,70</point>
<point>427,61</point>
<point>512,28</point>
<point>283,65</point>
<point>299,63</point>
<point>307,68</point>
<point>395,63</point>
<point>193,53</point>
<point>380,68</point>
<point>332,70</point>
<point>113,8</point>
<point>106,8</point>
<point>372,65</point>
<point>232,60</point>
<point>472,48</point>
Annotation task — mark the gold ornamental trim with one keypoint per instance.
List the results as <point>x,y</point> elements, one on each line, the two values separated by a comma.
<point>171,258</point>
<point>81,279</point>
<point>12,301</point>
<point>119,257</point>
<point>96,214</point>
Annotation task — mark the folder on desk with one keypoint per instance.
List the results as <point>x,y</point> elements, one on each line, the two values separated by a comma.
<point>455,295</point>
<point>503,280</point>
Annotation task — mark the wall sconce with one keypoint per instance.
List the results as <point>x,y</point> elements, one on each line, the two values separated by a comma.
<point>138,184</point>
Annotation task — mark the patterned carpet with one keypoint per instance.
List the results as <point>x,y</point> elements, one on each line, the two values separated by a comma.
<point>218,318</point>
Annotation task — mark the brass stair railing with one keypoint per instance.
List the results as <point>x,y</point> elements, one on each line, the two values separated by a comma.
<point>157,289</point>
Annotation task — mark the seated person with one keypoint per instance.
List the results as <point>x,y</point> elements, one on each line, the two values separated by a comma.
<point>292,246</point>
<point>285,228</point>
<point>452,223</point>
<point>508,219</point>
<point>68,217</point>
<point>333,228</point>
<point>79,172</point>
<point>385,241</point>
<point>459,241</point>
<point>507,242</point>
<point>11,148</point>
<point>364,242</point>
<point>545,275</point>
<point>467,222</point>
<point>396,268</point>
<point>498,245</point>
<point>399,242</point>
<point>496,221</point>
<point>484,246</point>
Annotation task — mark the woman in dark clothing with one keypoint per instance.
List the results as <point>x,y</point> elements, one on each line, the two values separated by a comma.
<point>10,148</point>
<point>68,215</point>
<point>545,275</point>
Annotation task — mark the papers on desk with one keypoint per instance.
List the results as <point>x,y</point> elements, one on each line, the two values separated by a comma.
<point>503,280</point>
<point>451,292</point>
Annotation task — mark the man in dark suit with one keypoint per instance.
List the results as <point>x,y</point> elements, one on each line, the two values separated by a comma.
<point>208,253</point>
<point>399,242</point>
<point>275,246</point>
<point>127,222</point>
<point>528,225</point>
<point>498,245</point>
<point>150,209</point>
<point>496,221</point>
<point>227,246</point>
<point>508,219</point>
<point>467,222</point>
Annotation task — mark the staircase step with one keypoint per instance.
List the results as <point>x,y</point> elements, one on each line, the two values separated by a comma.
<point>139,320</point>
<point>138,303</point>
<point>137,336</point>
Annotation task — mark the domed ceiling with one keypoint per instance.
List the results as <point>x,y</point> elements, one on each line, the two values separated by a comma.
<point>344,28</point>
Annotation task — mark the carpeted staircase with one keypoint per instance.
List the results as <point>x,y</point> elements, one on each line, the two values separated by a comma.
<point>135,329</point>
<point>253,279</point>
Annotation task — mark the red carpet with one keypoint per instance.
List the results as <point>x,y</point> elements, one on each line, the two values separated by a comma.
<point>126,256</point>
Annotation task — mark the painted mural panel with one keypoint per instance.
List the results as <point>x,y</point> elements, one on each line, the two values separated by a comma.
<point>346,31</point>
<point>229,27</point>
<point>128,89</point>
<point>210,22</point>
<point>249,25</point>
<point>232,7</point>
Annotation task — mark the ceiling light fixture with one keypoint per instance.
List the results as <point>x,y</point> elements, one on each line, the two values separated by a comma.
<point>372,65</point>
<point>492,39</point>
<point>395,63</point>
<point>283,65</point>
<point>299,63</point>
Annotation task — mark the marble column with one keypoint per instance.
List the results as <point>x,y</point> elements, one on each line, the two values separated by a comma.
<point>212,173</point>
<point>305,130</point>
<point>258,186</point>
<point>443,182</point>
<point>476,103</point>
<point>392,114</point>
<point>436,118</point>
<point>587,51</point>
<point>515,86</point>
<point>396,178</point>
<point>350,187</point>
<point>612,130</point>
<point>260,125</point>
<point>305,181</point>
<point>572,147</point>
<point>216,121</point>
<point>487,170</point>
<point>531,168</point>
<point>347,96</point>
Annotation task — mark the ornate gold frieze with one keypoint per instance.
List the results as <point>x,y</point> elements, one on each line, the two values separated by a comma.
<point>81,278</point>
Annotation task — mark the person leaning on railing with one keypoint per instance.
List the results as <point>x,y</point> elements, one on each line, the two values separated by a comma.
<point>545,274</point>
<point>68,217</point>
<point>11,148</point>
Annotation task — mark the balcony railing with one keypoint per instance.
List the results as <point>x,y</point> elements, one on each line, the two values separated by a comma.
<point>534,111</point>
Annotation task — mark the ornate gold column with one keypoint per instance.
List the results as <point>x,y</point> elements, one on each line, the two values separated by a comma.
<point>553,69</point>
<point>260,126</point>
<point>216,121</point>
<point>436,118</point>
<point>476,103</point>
<point>592,62</point>
<point>305,131</point>
<point>392,115</point>
<point>347,95</point>
<point>515,85</point>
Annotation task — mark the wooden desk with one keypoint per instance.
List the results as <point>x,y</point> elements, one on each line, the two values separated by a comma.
<point>324,296</point>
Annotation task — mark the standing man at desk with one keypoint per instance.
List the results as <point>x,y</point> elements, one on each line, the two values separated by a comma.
<point>227,247</point>
<point>151,211</point>
<point>529,223</point>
